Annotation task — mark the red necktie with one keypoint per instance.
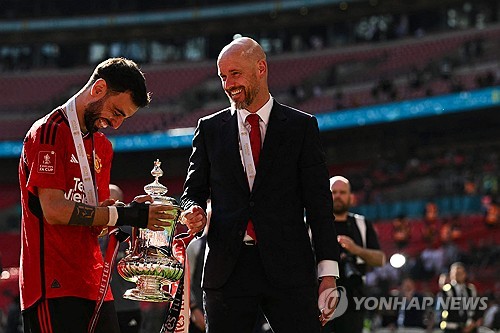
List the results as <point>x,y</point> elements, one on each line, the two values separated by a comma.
<point>255,142</point>
<point>253,120</point>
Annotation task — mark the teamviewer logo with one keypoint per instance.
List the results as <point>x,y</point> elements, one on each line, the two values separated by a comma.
<point>332,303</point>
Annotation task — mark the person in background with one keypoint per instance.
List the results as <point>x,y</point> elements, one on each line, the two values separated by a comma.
<point>455,320</point>
<point>401,231</point>
<point>14,318</point>
<point>360,249</point>
<point>262,165</point>
<point>63,212</point>
<point>411,314</point>
<point>491,317</point>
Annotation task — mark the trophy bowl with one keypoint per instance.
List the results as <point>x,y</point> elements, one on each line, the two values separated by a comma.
<point>149,262</point>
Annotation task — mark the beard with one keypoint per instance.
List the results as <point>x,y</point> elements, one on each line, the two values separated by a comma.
<point>92,113</point>
<point>340,207</point>
<point>250,93</point>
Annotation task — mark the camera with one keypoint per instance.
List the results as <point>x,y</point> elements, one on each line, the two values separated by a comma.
<point>351,271</point>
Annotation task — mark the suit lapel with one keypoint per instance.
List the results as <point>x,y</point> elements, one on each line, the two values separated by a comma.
<point>274,134</point>
<point>230,143</point>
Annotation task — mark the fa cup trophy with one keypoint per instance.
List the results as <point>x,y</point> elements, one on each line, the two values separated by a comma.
<point>150,262</point>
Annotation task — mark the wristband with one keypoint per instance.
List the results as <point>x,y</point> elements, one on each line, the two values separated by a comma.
<point>135,215</point>
<point>112,216</point>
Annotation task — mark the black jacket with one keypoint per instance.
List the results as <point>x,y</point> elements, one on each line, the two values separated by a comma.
<point>291,177</point>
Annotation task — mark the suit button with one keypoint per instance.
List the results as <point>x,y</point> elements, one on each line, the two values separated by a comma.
<point>240,233</point>
<point>252,203</point>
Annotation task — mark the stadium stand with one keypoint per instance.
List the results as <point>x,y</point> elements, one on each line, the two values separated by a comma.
<point>391,60</point>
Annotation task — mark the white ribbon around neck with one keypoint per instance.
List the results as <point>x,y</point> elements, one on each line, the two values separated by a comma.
<point>88,184</point>
<point>246,150</point>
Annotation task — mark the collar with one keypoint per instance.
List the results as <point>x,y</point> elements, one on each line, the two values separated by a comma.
<point>264,112</point>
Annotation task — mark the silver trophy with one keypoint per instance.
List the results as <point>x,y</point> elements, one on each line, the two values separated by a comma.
<point>149,262</point>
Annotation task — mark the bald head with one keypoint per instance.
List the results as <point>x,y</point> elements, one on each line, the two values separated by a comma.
<point>115,192</point>
<point>341,179</point>
<point>243,71</point>
<point>244,47</point>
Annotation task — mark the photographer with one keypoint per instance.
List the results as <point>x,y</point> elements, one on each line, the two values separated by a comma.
<point>360,248</point>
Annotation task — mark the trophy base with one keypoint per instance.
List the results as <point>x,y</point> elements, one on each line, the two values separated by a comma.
<point>148,289</point>
<point>138,295</point>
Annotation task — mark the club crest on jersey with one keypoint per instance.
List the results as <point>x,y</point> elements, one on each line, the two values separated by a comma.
<point>47,162</point>
<point>97,164</point>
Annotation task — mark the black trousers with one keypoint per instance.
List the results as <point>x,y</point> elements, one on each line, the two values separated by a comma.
<point>235,307</point>
<point>69,314</point>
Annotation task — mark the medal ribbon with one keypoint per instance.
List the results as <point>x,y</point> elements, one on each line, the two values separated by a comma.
<point>88,184</point>
<point>116,236</point>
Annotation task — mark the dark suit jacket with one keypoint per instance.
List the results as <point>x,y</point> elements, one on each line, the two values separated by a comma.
<point>291,177</point>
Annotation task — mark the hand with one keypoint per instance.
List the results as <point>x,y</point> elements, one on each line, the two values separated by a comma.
<point>198,318</point>
<point>328,298</point>
<point>194,218</point>
<point>469,328</point>
<point>107,202</point>
<point>347,243</point>
<point>160,216</point>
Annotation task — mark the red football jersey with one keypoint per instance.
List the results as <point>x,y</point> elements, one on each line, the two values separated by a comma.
<point>59,260</point>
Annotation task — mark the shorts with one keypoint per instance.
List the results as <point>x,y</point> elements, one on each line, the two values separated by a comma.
<point>69,314</point>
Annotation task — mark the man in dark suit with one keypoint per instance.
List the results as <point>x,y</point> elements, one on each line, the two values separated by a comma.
<point>261,173</point>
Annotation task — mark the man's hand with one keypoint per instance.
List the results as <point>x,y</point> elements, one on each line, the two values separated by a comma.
<point>194,218</point>
<point>372,257</point>
<point>198,318</point>
<point>328,298</point>
<point>160,216</point>
<point>347,243</point>
<point>470,327</point>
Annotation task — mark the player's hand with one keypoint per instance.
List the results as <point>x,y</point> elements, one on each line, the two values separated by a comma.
<point>160,216</point>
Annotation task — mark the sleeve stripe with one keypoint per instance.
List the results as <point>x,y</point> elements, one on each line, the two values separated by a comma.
<point>49,129</point>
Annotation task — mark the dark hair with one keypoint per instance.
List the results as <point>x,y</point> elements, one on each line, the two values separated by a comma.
<point>123,75</point>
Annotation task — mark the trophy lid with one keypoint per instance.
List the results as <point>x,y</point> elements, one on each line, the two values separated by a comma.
<point>156,188</point>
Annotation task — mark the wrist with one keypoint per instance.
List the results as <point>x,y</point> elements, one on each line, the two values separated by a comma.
<point>356,250</point>
<point>112,216</point>
<point>327,277</point>
<point>135,215</point>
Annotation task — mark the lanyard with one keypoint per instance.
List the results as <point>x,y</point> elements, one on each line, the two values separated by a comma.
<point>177,318</point>
<point>116,236</point>
<point>88,184</point>
<point>246,150</point>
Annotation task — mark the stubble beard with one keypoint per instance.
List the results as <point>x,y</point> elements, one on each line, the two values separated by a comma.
<point>92,113</point>
<point>340,208</point>
<point>250,95</point>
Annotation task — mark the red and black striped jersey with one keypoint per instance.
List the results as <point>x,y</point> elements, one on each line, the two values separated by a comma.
<point>59,260</point>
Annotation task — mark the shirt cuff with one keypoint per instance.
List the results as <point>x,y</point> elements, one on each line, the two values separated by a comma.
<point>328,268</point>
